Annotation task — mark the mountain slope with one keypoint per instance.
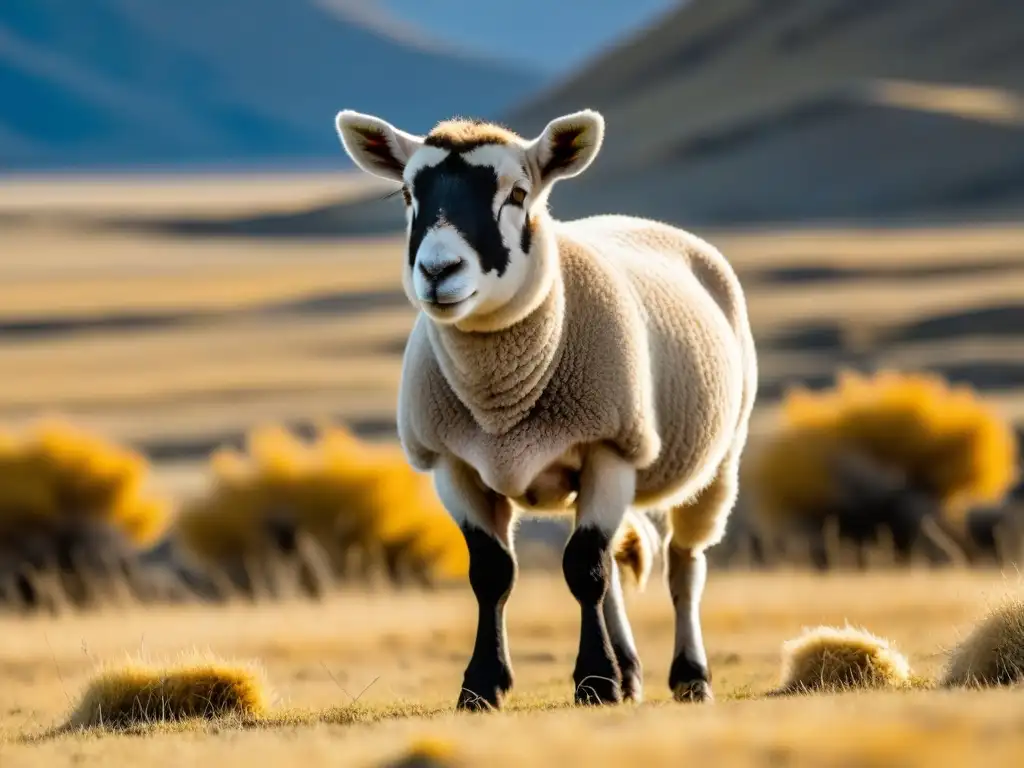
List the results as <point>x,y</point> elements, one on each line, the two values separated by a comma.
<point>737,110</point>
<point>740,111</point>
<point>572,30</point>
<point>117,82</point>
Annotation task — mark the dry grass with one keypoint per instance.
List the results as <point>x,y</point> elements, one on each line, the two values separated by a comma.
<point>179,344</point>
<point>945,442</point>
<point>126,696</point>
<point>57,473</point>
<point>841,658</point>
<point>367,675</point>
<point>993,653</point>
<point>353,498</point>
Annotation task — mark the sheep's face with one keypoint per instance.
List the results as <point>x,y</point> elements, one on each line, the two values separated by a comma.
<point>473,193</point>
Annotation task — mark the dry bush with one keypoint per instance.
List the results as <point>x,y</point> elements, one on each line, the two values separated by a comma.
<point>360,504</point>
<point>836,659</point>
<point>891,450</point>
<point>74,515</point>
<point>139,693</point>
<point>56,472</point>
<point>993,653</point>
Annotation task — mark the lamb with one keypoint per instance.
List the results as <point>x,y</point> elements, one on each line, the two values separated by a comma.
<point>602,367</point>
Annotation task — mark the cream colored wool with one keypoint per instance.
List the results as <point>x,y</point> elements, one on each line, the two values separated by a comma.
<point>641,340</point>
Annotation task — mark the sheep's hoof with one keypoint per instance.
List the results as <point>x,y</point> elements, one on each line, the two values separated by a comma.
<point>482,692</point>
<point>632,687</point>
<point>632,677</point>
<point>698,691</point>
<point>470,701</point>
<point>595,691</point>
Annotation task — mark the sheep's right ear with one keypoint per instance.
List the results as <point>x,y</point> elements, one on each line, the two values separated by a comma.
<point>375,145</point>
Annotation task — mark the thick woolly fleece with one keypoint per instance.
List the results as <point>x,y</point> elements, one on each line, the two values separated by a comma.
<point>642,343</point>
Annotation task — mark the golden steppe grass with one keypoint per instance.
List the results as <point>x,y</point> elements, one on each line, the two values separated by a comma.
<point>242,332</point>
<point>358,678</point>
<point>232,332</point>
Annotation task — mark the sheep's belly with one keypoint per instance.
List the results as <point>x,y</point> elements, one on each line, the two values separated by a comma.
<point>552,488</point>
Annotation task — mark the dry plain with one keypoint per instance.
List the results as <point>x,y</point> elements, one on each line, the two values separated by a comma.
<point>177,345</point>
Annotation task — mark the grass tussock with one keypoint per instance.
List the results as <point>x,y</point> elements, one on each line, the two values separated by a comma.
<point>841,658</point>
<point>891,466</point>
<point>941,440</point>
<point>55,473</point>
<point>139,694</point>
<point>360,503</point>
<point>427,752</point>
<point>76,517</point>
<point>993,653</point>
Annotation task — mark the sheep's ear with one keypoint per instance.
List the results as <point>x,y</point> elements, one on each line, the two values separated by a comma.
<point>375,145</point>
<point>567,145</point>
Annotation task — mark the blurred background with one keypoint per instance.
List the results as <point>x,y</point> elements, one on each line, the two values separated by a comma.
<point>201,317</point>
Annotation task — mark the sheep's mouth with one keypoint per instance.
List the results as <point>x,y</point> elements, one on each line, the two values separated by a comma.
<point>443,307</point>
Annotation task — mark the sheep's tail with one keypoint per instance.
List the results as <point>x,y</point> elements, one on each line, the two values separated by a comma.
<point>636,547</point>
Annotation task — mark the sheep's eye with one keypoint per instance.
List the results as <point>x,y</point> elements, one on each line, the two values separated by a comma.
<point>517,195</point>
<point>406,195</point>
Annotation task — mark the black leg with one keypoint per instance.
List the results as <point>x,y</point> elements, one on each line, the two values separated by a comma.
<point>623,644</point>
<point>492,572</point>
<point>631,671</point>
<point>587,565</point>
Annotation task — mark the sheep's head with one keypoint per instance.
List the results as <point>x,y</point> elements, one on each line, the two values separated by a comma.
<point>473,193</point>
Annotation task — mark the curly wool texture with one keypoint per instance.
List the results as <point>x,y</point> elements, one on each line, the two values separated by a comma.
<point>834,658</point>
<point>993,653</point>
<point>642,341</point>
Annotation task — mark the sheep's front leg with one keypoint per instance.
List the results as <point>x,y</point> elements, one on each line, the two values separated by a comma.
<point>607,485</point>
<point>485,519</point>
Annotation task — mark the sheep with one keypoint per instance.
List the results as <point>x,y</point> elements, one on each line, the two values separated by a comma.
<point>602,367</point>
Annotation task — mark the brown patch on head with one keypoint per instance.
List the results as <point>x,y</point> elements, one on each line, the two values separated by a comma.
<point>564,149</point>
<point>465,135</point>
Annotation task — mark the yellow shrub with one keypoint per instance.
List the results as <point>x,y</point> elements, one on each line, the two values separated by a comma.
<point>943,440</point>
<point>56,473</point>
<point>344,492</point>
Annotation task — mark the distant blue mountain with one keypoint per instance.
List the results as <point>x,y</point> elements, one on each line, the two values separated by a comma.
<point>554,35</point>
<point>191,83</point>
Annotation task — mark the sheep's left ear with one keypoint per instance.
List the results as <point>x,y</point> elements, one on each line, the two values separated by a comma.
<point>567,145</point>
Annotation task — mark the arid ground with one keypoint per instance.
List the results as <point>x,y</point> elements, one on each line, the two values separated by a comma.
<point>361,676</point>
<point>176,345</point>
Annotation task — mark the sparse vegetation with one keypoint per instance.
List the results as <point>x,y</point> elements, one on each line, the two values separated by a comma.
<point>358,504</point>
<point>56,472</point>
<point>903,454</point>
<point>75,511</point>
<point>834,659</point>
<point>137,694</point>
<point>993,653</point>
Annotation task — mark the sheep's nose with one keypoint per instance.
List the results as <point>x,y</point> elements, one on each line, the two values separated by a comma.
<point>437,270</point>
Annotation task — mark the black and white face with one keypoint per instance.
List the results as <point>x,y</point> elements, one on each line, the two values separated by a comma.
<point>472,195</point>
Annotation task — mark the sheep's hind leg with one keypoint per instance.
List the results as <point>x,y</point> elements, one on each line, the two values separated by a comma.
<point>621,636</point>
<point>485,519</point>
<point>695,526</point>
<point>607,485</point>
